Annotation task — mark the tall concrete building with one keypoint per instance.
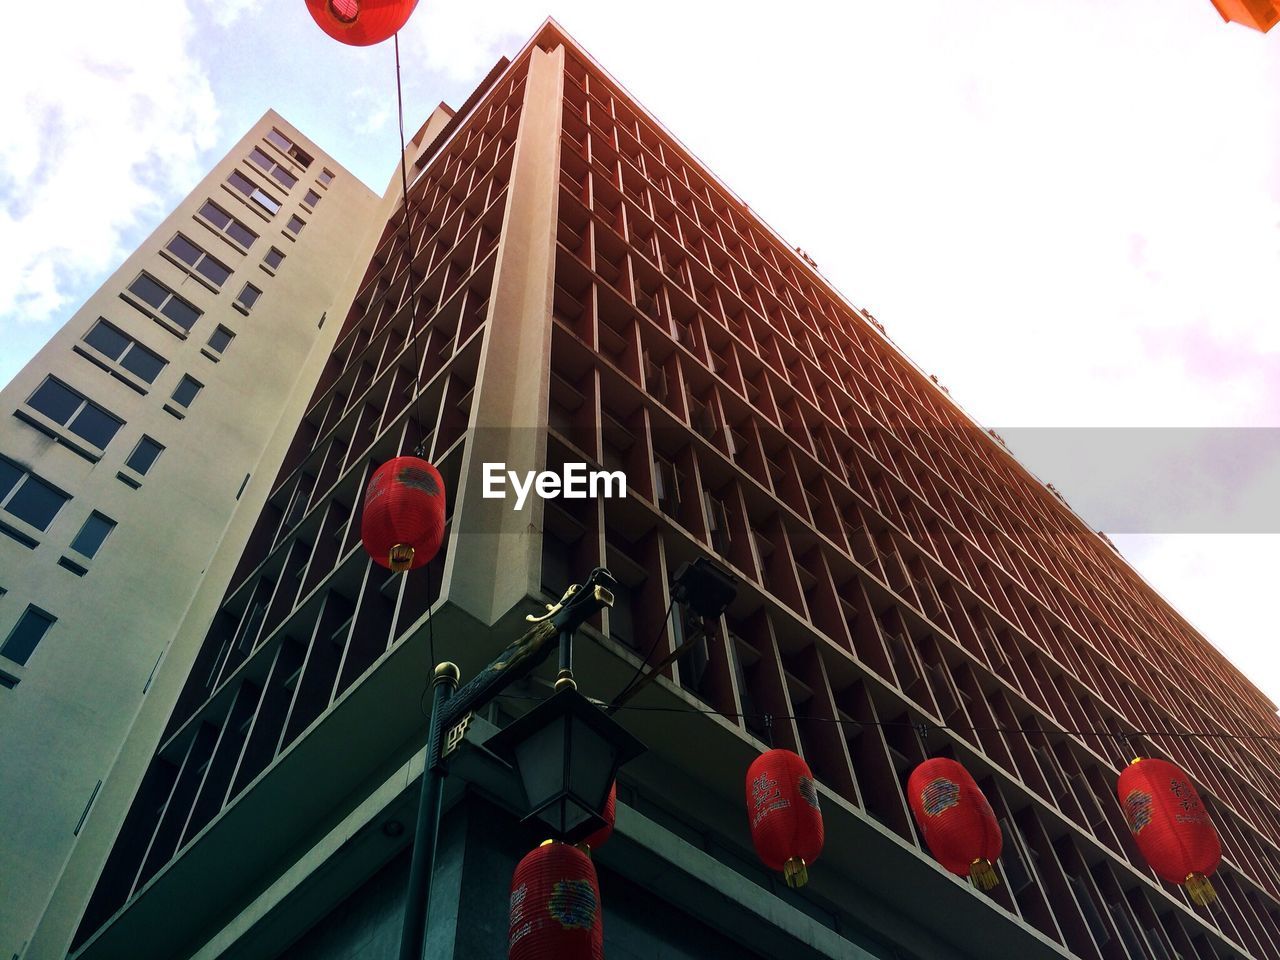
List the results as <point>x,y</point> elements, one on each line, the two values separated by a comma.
<point>571,286</point>
<point>114,498</point>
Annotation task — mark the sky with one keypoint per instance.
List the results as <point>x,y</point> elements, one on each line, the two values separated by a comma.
<point>1068,212</point>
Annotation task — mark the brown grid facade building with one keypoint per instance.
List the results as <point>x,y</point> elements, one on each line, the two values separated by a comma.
<point>573,286</point>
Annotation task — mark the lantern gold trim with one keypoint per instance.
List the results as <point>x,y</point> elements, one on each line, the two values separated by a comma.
<point>1200,890</point>
<point>795,872</point>
<point>983,874</point>
<point>400,558</point>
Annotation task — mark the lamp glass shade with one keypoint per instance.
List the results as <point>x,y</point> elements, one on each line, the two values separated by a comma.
<point>567,753</point>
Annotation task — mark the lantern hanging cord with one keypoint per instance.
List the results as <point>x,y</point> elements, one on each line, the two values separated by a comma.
<point>420,449</point>
<point>930,725</point>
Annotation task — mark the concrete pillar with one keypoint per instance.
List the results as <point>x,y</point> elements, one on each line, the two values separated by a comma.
<point>496,559</point>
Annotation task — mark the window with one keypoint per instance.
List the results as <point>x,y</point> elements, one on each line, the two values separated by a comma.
<point>260,158</point>
<point>248,296</point>
<point>311,199</point>
<point>296,224</point>
<point>227,224</point>
<point>114,344</point>
<point>155,294</point>
<point>221,339</point>
<point>28,497</point>
<point>274,258</point>
<point>77,413</point>
<point>196,258</point>
<point>91,535</point>
<point>278,139</point>
<point>186,391</point>
<point>144,455</point>
<point>26,634</point>
<point>325,178</point>
<point>242,184</point>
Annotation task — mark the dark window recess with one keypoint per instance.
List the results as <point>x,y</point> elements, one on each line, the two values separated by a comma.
<point>92,534</point>
<point>325,178</point>
<point>242,184</point>
<point>228,224</point>
<point>299,156</point>
<point>27,634</point>
<point>221,339</point>
<point>27,497</point>
<point>78,414</point>
<point>248,296</point>
<point>296,224</point>
<point>311,199</point>
<point>193,256</point>
<point>8,680</point>
<point>274,258</point>
<point>144,455</point>
<point>114,344</point>
<point>155,294</point>
<point>261,159</point>
<point>186,391</point>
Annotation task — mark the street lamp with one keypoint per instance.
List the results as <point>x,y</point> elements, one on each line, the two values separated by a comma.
<point>567,753</point>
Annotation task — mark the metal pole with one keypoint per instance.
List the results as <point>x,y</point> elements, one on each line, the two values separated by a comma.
<point>423,858</point>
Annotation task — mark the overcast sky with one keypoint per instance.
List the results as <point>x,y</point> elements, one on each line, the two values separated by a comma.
<point>1068,211</point>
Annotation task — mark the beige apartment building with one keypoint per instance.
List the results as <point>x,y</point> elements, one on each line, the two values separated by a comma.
<point>114,494</point>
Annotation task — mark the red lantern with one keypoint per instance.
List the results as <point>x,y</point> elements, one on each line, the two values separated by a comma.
<point>597,839</point>
<point>956,820</point>
<point>555,906</point>
<point>1170,825</point>
<point>403,522</point>
<point>360,23</point>
<point>786,823</point>
<point>1259,14</point>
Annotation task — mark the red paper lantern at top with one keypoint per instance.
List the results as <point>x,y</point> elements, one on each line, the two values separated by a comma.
<point>786,822</point>
<point>1259,14</point>
<point>956,820</point>
<point>555,906</point>
<point>1170,825</point>
<point>597,839</point>
<point>360,23</point>
<point>403,521</point>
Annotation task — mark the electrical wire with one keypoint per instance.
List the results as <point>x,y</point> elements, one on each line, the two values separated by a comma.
<point>420,449</point>
<point>666,622</point>
<point>931,725</point>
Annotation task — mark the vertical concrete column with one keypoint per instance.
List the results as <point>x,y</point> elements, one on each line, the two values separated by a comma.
<point>496,558</point>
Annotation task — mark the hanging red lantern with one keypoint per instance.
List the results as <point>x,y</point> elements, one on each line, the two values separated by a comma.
<point>786,822</point>
<point>1259,14</point>
<point>1170,825</point>
<point>403,521</point>
<point>956,820</point>
<point>360,23</point>
<point>555,906</point>
<point>597,839</point>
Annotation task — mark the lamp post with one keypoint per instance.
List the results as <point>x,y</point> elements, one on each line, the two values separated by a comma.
<point>565,750</point>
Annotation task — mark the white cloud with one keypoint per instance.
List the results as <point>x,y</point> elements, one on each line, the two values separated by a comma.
<point>227,12</point>
<point>109,117</point>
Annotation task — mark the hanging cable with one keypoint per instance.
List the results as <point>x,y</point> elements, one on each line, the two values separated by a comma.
<point>414,330</point>
<point>666,621</point>
<point>930,725</point>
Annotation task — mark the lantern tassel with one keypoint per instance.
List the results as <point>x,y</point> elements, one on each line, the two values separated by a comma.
<point>795,872</point>
<point>400,558</point>
<point>983,874</point>
<point>1200,889</point>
